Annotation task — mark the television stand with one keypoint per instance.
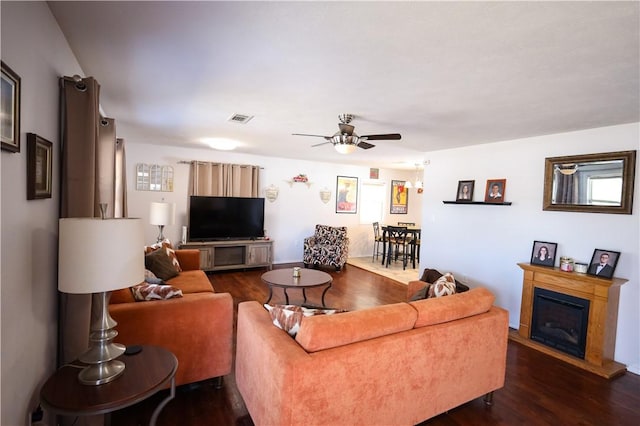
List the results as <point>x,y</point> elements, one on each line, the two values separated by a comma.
<point>233,254</point>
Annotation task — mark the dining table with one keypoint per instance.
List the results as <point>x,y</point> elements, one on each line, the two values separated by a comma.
<point>414,231</point>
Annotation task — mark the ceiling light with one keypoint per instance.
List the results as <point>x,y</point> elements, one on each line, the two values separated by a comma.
<point>345,144</point>
<point>221,143</point>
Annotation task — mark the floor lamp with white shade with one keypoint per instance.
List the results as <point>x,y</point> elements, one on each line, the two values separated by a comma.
<point>97,256</point>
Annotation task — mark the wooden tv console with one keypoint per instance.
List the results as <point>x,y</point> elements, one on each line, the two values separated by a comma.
<point>236,254</point>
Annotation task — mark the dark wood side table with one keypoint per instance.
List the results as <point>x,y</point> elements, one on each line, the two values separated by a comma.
<point>145,373</point>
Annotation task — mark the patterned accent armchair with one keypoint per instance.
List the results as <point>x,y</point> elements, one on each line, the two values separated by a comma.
<point>329,245</point>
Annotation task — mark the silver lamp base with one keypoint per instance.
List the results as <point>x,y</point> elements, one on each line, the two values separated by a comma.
<point>101,356</point>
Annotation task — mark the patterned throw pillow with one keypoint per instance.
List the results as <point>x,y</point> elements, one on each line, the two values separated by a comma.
<point>165,244</point>
<point>289,317</point>
<point>160,264</point>
<point>143,292</point>
<point>444,286</point>
<point>150,278</point>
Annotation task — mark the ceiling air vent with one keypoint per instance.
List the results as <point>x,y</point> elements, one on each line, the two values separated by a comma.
<point>240,118</point>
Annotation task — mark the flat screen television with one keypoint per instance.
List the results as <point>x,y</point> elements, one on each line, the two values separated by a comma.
<point>225,218</point>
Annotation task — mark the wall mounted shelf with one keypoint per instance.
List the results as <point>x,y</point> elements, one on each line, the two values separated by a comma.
<point>506,203</point>
<point>291,182</point>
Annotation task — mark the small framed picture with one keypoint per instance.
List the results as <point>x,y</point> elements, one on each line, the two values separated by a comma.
<point>544,253</point>
<point>465,190</point>
<point>10,110</point>
<point>39,164</point>
<point>603,263</point>
<point>495,190</point>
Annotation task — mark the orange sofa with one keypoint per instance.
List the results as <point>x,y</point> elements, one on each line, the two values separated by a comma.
<point>394,364</point>
<point>197,328</point>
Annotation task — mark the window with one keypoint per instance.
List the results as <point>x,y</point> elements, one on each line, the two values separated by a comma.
<point>372,199</point>
<point>605,191</point>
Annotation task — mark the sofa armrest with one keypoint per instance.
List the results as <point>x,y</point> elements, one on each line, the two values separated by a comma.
<point>189,259</point>
<point>197,328</point>
<point>413,287</point>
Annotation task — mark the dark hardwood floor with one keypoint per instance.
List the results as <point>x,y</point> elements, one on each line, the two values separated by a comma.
<point>539,389</point>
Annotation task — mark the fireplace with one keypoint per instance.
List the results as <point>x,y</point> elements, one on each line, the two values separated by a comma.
<point>560,321</point>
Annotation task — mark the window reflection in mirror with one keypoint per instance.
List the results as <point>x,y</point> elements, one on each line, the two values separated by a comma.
<point>599,183</point>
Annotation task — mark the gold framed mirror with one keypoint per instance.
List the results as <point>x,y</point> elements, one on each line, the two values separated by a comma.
<point>595,183</point>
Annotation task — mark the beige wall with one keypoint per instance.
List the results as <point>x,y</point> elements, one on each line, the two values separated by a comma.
<point>484,243</point>
<point>34,47</point>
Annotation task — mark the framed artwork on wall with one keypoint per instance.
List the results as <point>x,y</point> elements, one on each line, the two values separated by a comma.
<point>465,190</point>
<point>39,164</point>
<point>399,197</point>
<point>10,110</point>
<point>544,253</point>
<point>495,190</point>
<point>603,263</point>
<point>347,194</point>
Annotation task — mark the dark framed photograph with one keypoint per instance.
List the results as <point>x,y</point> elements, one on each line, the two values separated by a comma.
<point>544,253</point>
<point>495,191</point>
<point>39,165</point>
<point>603,263</point>
<point>347,194</point>
<point>399,197</point>
<point>10,110</point>
<point>465,190</point>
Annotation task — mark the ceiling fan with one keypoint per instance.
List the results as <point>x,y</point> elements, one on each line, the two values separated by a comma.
<point>345,141</point>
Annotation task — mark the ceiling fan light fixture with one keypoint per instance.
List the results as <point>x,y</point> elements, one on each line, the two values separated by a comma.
<point>343,148</point>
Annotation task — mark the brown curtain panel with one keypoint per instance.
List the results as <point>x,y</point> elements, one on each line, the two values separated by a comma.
<point>93,172</point>
<point>228,180</point>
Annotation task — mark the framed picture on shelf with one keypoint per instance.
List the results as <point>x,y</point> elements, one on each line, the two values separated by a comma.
<point>465,190</point>
<point>10,110</point>
<point>399,197</point>
<point>603,263</point>
<point>39,165</point>
<point>544,253</point>
<point>494,193</point>
<point>347,194</point>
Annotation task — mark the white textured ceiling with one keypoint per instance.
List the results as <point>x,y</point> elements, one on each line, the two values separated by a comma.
<point>443,74</point>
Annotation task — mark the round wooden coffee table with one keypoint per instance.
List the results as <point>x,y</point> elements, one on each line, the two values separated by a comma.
<point>283,278</point>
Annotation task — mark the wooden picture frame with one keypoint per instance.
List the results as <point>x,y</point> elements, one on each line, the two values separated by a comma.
<point>10,110</point>
<point>346,194</point>
<point>544,253</point>
<point>39,167</point>
<point>465,191</point>
<point>607,257</point>
<point>494,193</point>
<point>399,197</point>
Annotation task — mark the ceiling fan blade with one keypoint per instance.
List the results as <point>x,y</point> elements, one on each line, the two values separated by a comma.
<point>365,145</point>
<point>318,144</point>
<point>346,128</point>
<point>387,137</point>
<point>315,136</point>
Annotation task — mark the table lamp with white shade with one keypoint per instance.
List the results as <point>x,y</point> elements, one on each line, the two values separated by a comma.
<point>97,256</point>
<point>162,214</point>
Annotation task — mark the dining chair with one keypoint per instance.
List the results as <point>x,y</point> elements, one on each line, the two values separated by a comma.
<point>377,240</point>
<point>397,245</point>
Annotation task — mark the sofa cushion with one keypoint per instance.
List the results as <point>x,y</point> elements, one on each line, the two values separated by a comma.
<point>150,277</point>
<point>289,317</point>
<point>124,295</point>
<point>329,331</point>
<point>192,282</point>
<point>144,292</point>
<point>160,264</point>
<point>439,310</point>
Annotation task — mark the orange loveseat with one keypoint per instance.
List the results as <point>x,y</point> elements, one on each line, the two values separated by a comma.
<point>197,328</point>
<point>396,364</point>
